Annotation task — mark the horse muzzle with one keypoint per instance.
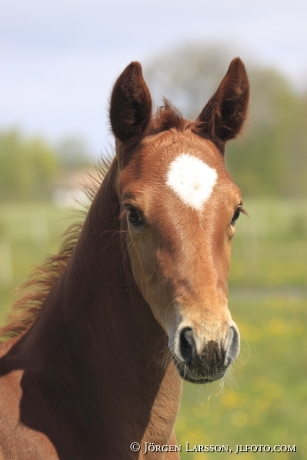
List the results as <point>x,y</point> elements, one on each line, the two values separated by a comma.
<point>198,363</point>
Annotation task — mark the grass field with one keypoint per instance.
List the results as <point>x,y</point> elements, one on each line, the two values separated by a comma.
<point>264,398</point>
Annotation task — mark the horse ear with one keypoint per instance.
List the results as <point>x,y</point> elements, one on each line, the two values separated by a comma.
<point>130,109</point>
<point>222,117</point>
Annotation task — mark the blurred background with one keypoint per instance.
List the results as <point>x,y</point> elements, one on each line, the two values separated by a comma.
<point>59,60</point>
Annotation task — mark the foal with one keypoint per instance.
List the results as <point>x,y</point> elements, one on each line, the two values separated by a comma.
<point>136,301</point>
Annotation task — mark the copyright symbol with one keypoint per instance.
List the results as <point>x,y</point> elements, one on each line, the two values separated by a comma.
<point>135,447</point>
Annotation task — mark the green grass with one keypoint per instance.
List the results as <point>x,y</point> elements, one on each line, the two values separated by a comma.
<point>28,232</point>
<point>264,396</point>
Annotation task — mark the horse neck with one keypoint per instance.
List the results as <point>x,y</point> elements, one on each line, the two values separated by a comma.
<point>94,323</point>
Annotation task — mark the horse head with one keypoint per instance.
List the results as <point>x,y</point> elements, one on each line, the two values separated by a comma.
<point>179,207</point>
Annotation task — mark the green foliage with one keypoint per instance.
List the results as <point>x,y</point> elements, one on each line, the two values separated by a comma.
<point>72,154</point>
<point>26,166</point>
<point>272,158</point>
<point>30,166</point>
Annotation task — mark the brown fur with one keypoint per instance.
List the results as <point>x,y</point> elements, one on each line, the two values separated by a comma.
<point>99,340</point>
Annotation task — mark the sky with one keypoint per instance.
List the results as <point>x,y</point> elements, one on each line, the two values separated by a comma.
<point>59,58</point>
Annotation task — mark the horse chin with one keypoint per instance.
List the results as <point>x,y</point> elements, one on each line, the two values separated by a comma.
<point>192,376</point>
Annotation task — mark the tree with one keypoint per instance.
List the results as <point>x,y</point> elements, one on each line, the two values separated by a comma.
<point>26,166</point>
<point>29,166</point>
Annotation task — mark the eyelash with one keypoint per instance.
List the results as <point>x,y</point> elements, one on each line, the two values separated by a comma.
<point>236,215</point>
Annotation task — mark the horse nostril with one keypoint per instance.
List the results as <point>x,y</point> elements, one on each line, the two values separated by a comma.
<point>233,345</point>
<point>187,345</point>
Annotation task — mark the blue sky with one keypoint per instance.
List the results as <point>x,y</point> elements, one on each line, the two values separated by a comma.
<point>59,58</point>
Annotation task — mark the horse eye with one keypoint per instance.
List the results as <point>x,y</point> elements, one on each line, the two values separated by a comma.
<point>236,216</point>
<point>134,217</point>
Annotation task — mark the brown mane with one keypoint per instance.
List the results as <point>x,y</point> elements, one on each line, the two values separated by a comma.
<point>33,293</point>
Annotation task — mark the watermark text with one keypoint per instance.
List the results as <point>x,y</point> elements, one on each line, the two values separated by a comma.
<point>150,447</point>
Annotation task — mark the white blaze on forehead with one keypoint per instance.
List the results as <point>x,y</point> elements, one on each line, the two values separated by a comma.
<point>191,179</point>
